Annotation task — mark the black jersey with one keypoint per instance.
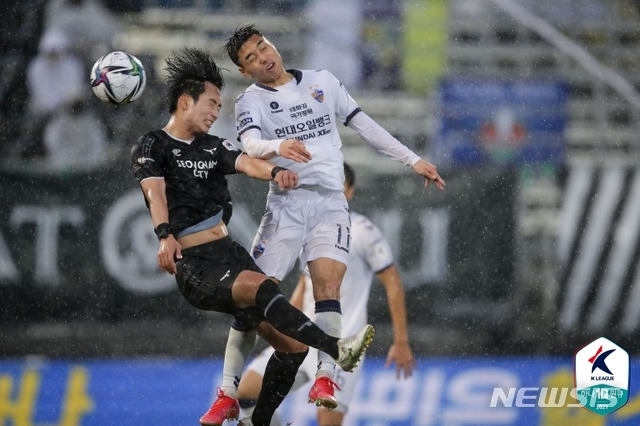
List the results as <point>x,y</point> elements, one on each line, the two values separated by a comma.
<point>194,174</point>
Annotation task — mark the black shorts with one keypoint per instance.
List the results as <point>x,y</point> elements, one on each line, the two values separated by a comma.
<point>206,273</point>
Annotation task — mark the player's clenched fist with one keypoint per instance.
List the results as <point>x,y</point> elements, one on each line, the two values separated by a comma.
<point>286,179</point>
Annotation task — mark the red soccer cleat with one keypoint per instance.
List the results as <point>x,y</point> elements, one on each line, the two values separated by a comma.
<point>322,393</point>
<point>223,408</point>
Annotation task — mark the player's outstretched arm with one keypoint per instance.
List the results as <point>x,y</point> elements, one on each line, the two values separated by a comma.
<point>376,136</point>
<point>264,170</point>
<point>400,351</point>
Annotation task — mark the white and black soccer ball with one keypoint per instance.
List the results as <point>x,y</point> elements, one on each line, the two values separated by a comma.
<point>118,78</point>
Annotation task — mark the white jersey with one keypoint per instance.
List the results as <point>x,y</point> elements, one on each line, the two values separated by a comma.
<point>307,108</point>
<point>369,254</point>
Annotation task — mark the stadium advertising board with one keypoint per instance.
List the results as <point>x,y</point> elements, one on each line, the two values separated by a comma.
<point>443,391</point>
<point>500,122</point>
<point>80,247</point>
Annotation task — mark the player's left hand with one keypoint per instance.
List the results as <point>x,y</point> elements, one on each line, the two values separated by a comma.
<point>429,171</point>
<point>401,354</point>
<point>294,150</point>
<point>286,179</point>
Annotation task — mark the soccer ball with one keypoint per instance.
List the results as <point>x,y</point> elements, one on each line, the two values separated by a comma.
<point>118,78</point>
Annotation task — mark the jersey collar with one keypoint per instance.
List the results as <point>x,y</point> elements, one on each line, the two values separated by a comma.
<point>297,74</point>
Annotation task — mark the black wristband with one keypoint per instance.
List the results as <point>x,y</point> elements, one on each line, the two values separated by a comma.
<point>275,171</point>
<point>162,231</point>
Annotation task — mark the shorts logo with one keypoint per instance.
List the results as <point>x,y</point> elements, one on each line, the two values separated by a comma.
<point>258,250</point>
<point>601,373</point>
<point>226,275</point>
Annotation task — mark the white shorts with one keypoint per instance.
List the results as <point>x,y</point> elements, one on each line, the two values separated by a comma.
<point>302,223</point>
<point>307,372</point>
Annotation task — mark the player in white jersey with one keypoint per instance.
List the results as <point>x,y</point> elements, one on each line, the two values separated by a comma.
<point>370,255</point>
<point>290,117</point>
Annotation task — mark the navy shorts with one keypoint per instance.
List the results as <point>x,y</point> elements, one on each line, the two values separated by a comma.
<point>206,273</point>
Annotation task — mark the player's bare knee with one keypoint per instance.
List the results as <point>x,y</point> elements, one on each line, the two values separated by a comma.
<point>245,288</point>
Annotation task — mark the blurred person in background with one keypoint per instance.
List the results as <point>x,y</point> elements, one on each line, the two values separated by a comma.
<point>182,171</point>
<point>19,40</point>
<point>55,81</point>
<point>369,256</point>
<point>55,76</point>
<point>89,24</point>
<point>75,138</point>
<point>289,116</point>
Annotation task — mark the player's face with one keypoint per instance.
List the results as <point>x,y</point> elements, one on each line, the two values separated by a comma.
<point>203,113</point>
<point>260,60</point>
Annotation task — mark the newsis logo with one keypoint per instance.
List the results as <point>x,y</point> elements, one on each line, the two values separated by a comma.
<point>601,377</point>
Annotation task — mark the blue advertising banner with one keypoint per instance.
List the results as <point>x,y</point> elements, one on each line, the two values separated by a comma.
<point>164,391</point>
<point>500,122</point>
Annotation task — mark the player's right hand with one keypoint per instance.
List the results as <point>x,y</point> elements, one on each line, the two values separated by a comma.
<point>169,251</point>
<point>294,150</point>
<point>286,179</point>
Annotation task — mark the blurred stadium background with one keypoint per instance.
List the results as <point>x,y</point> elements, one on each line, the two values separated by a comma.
<point>528,107</point>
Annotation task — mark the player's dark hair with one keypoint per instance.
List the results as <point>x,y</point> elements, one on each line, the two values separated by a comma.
<point>187,71</point>
<point>349,175</point>
<point>235,42</point>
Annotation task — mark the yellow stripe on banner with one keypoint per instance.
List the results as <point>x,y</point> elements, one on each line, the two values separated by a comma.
<point>425,41</point>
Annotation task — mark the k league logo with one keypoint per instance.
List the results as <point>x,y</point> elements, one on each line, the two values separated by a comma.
<point>601,374</point>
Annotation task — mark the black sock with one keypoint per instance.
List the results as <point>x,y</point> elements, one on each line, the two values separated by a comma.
<point>287,319</point>
<point>277,381</point>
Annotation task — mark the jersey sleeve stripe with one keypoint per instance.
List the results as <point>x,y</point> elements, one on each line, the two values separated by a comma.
<point>350,116</point>
<point>247,128</point>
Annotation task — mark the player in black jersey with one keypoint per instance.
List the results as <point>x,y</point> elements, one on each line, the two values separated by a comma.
<point>181,170</point>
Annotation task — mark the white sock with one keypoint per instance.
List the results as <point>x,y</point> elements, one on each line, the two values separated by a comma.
<point>239,347</point>
<point>331,323</point>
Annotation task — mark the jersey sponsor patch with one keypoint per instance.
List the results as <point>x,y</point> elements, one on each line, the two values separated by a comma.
<point>244,122</point>
<point>143,160</point>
